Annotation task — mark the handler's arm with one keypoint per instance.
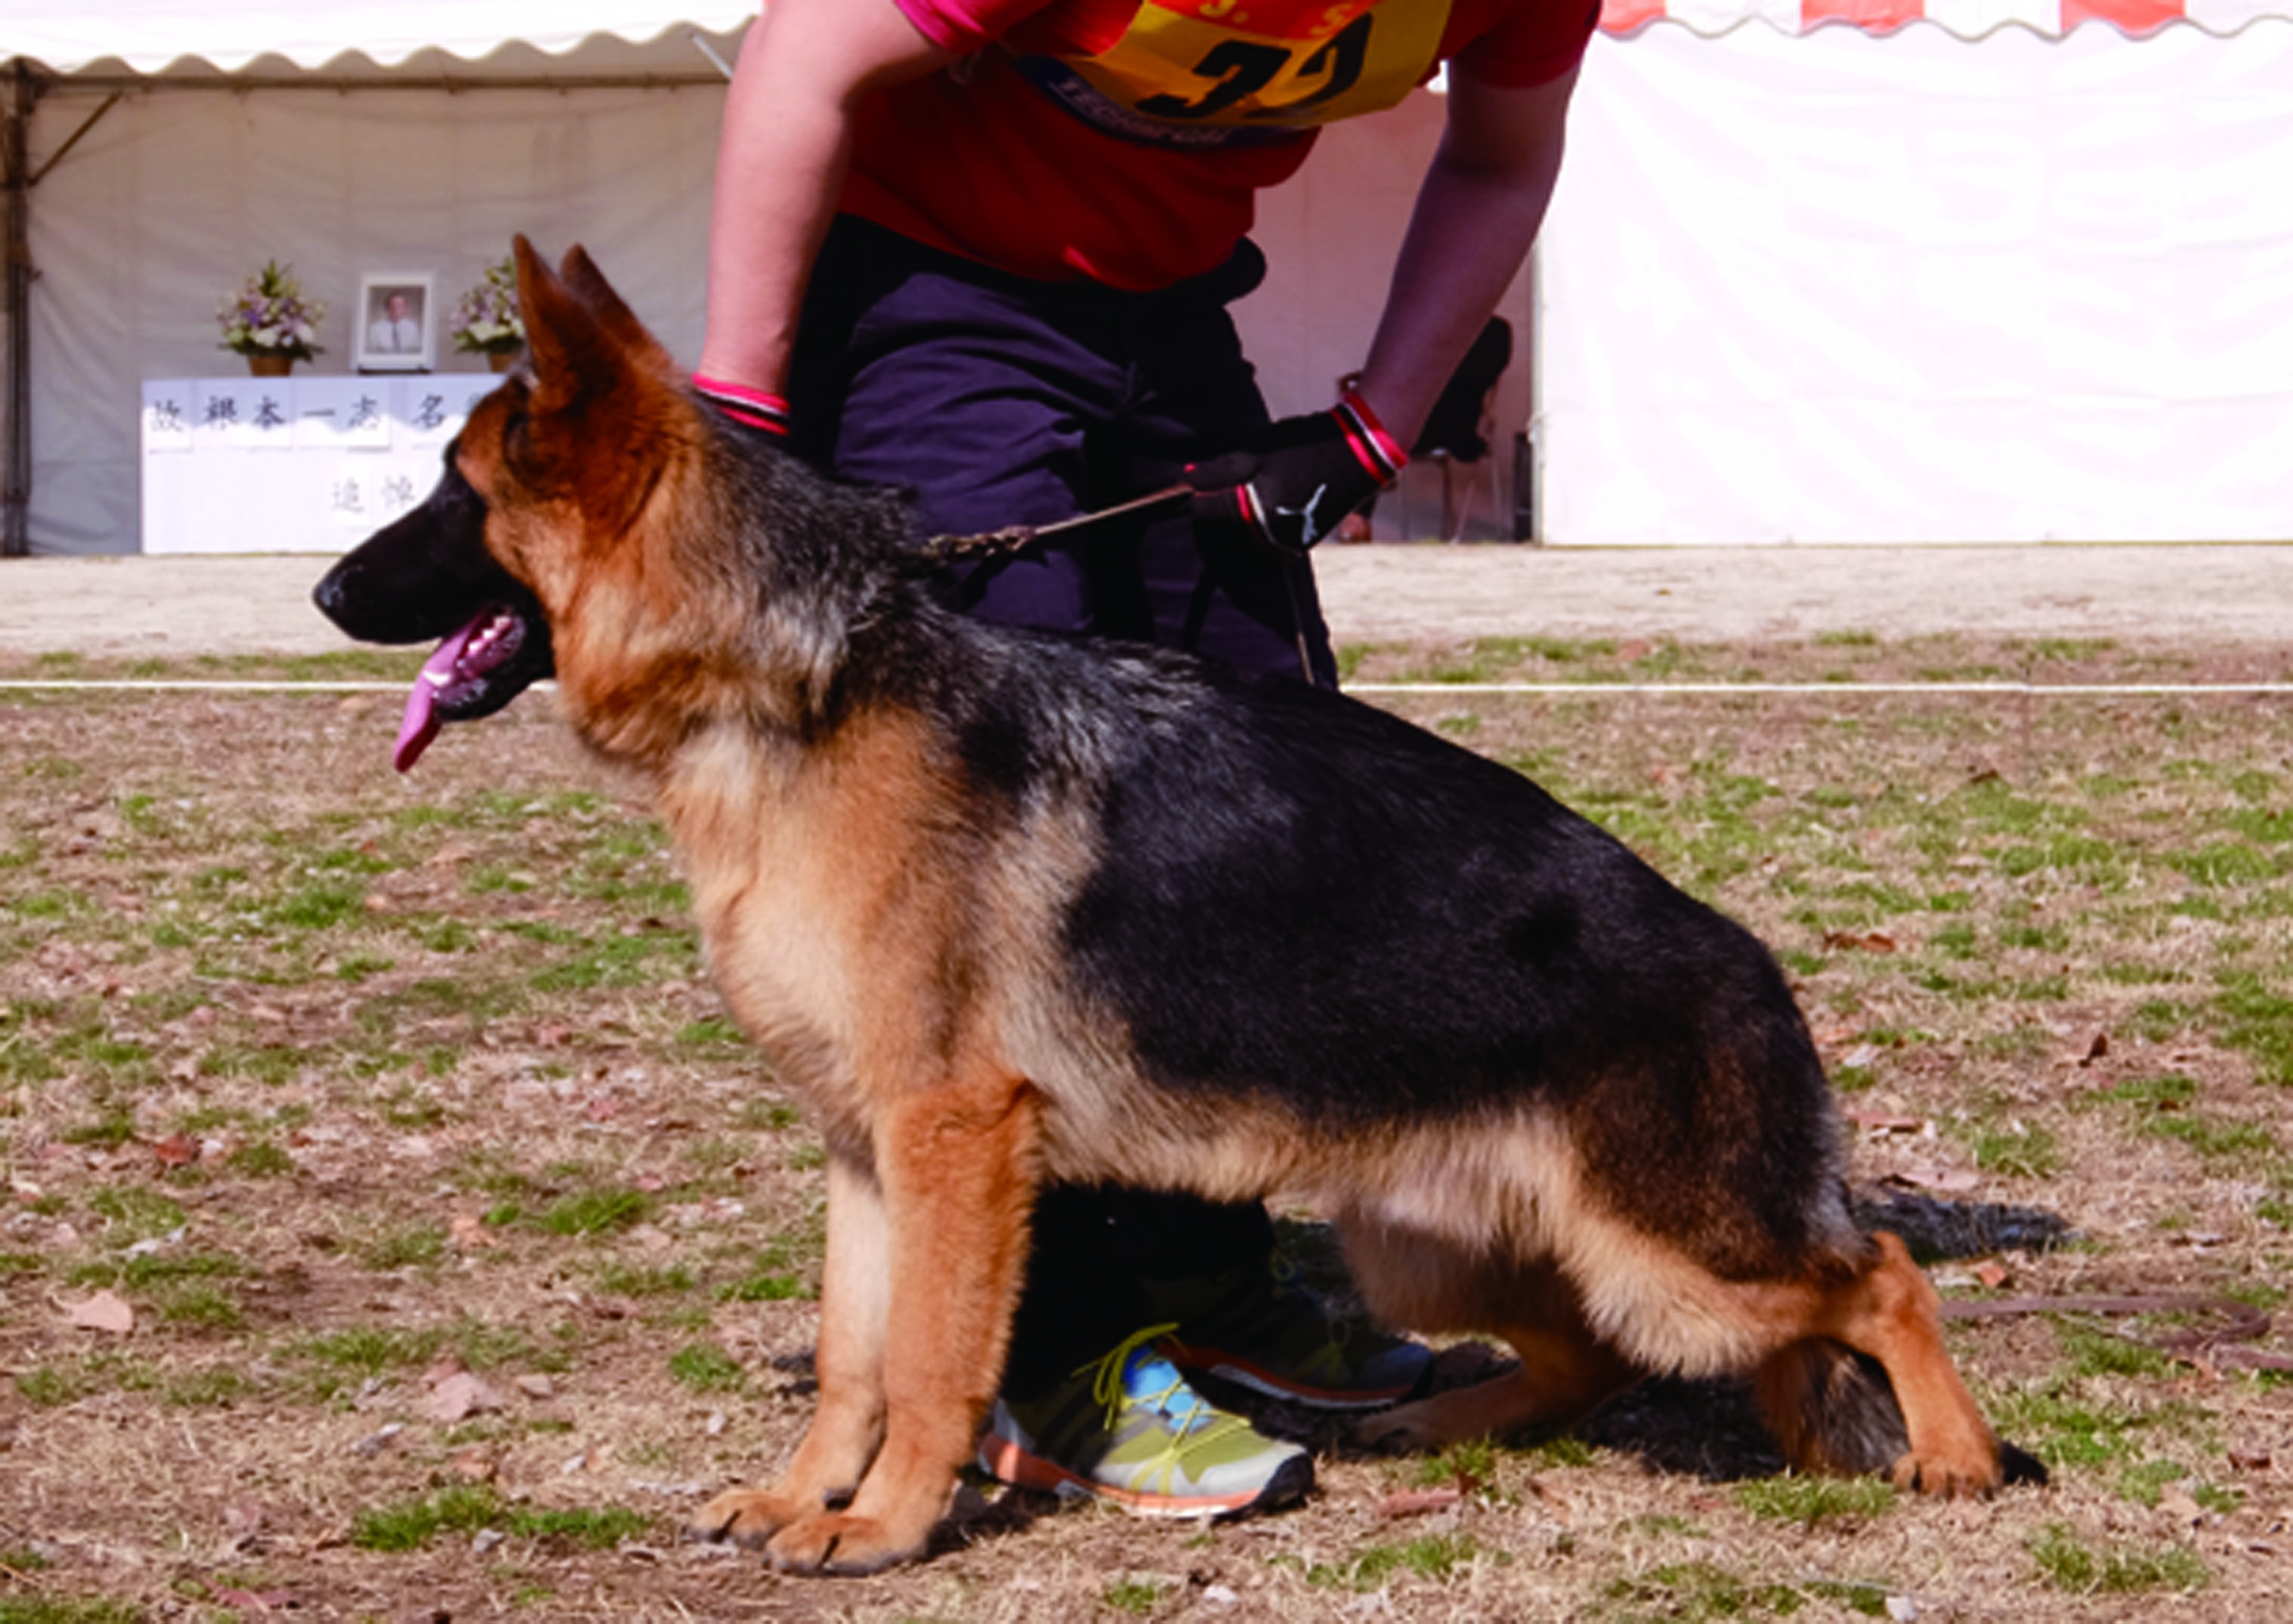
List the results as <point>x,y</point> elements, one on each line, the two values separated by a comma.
<point>781,159</point>
<point>1477,214</point>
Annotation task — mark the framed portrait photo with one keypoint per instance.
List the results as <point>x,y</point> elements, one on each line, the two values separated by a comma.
<point>397,322</point>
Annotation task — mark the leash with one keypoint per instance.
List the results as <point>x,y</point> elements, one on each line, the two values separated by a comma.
<point>1014,539</point>
<point>1019,538</point>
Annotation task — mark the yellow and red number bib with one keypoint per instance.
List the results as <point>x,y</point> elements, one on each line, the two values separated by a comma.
<point>1225,73</point>
<point>1123,142</point>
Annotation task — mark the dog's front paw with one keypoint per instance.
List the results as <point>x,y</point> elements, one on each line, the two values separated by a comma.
<point>1971,1473</point>
<point>839,1542</point>
<point>745,1517</point>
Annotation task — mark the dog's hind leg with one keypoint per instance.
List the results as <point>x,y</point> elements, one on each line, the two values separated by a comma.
<point>957,1167</point>
<point>1564,1375</point>
<point>849,1421</point>
<point>1566,1372</point>
<point>1822,1410</point>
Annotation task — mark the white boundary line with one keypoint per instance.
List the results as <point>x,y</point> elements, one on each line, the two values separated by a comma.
<point>1571,689</point>
<point>157,685</point>
<point>217,685</point>
<point>1586,689</point>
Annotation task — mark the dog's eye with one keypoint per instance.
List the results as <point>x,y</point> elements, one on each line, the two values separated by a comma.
<point>516,441</point>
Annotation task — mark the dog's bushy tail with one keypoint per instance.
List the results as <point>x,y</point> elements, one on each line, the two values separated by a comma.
<point>1834,1412</point>
<point>1832,1409</point>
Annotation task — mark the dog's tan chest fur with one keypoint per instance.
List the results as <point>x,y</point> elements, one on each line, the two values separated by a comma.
<point>870,934</point>
<point>816,900</point>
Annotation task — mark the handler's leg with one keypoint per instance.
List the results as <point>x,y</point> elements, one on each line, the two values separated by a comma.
<point>1195,396</point>
<point>974,391</point>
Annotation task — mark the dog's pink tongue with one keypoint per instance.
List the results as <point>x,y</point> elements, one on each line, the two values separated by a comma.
<point>421,724</point>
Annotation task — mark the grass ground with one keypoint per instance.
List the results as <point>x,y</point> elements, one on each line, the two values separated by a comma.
<point>466,1245</point>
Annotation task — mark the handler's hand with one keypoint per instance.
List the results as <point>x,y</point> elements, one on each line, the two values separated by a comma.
<point>1300,478</point>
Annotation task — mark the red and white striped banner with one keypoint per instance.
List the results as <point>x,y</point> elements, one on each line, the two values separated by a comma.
<point>1967,18</point>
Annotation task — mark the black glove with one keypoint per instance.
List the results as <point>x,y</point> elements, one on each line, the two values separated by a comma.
<point>750,408</point>
<point>1297,481</point>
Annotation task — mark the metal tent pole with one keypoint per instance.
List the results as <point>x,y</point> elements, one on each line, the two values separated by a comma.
<point>1529,490</point>
<point>16,492</point>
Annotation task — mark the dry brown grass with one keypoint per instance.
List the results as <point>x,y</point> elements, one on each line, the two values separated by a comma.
<point>346,1083</point>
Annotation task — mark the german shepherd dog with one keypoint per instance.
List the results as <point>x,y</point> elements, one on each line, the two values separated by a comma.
<point>1010,908</point>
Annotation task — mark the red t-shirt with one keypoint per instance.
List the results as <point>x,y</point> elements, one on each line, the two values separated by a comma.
<point>1123,140</point>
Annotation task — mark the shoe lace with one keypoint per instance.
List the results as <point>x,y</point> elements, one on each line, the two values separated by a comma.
<point>1200,1428</point>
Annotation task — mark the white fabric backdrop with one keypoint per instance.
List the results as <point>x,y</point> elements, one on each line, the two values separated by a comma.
<point>1838,288</point>
<point>176,195</point>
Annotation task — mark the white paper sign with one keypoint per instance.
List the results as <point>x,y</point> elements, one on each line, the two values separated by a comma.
<point>310,464</point>
<point>398,492</point>
<point>354,494</point>
<point>168,419</point>
<point>257,415</point>
<point>431,410</point>
<point>341,414</point>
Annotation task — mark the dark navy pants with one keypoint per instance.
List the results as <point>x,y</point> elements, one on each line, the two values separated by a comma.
<point>1003,401</point>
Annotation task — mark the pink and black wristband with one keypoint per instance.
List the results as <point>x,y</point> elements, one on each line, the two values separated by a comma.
<point>755,408</point>
<point>1378,453</point>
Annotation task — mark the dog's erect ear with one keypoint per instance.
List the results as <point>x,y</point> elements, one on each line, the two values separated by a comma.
<point>532,275</point>
<point>604,405</point>
<point>577,358</point>
<point>588,283</point>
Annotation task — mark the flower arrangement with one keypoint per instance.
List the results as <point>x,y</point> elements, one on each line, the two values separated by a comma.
<point>485,318</point>
<point>269,316</point>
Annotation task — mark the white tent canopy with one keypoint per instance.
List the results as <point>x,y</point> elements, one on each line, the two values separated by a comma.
<point>187,36</point>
